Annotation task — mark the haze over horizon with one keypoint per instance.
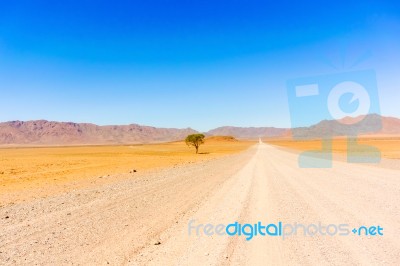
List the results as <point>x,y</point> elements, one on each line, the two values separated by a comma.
<point>186,63</point>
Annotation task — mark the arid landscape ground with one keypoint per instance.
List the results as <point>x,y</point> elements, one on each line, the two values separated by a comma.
<point>141,218</point>
<point>388,146</point>
<point>34,172</point>
<point>86,205</point>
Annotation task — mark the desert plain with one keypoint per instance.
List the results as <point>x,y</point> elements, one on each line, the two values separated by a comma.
<point>132,204</point>
<point>388,146</point>
<point>35,172</point>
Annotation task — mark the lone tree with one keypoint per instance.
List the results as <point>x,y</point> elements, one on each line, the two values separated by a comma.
<point>195,140</point>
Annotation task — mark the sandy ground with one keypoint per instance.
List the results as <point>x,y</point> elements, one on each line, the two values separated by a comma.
<point>389,146</point>
<point>37,172</point>
<point>144,220</point>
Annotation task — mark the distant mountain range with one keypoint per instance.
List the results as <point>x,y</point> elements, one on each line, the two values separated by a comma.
<point>42,132</point>
<point>249,132</point>
<point>371,125</point>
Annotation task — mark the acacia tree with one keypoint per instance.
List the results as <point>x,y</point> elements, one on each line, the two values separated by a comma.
<point>195,140</point>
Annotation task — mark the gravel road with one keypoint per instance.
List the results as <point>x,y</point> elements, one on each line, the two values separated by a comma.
<point>144,220</point>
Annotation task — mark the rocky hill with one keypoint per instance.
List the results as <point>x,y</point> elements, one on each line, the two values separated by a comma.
<point>249,132</point>
<point>372,125</point>
<point>42,132</point>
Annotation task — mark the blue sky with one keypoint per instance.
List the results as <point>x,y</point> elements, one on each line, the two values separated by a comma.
<point>199,64</point>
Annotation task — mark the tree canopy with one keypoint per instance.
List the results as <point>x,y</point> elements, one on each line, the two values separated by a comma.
<point>195,140</point>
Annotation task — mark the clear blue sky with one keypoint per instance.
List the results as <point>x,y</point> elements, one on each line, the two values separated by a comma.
<point>199,64</point>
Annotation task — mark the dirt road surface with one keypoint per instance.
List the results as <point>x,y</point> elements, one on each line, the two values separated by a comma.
<point>144,220</point>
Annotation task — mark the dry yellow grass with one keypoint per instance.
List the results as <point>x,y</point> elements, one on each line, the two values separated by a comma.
<point>27,173</point>
<point>389,147</point>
